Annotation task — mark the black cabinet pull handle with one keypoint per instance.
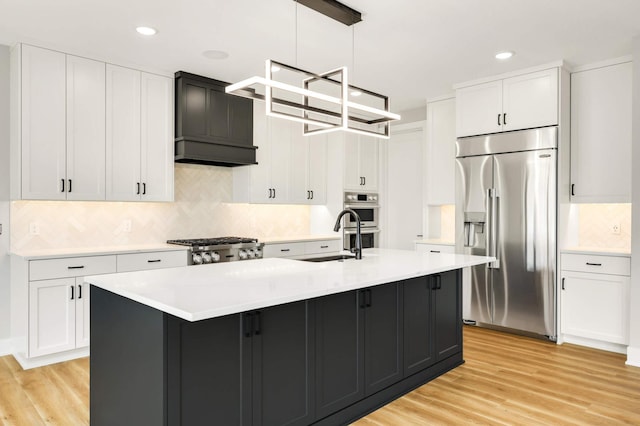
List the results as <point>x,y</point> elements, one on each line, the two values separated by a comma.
<point>434,251</point>
<point>62,190</point>
<point>312,195</point>
<point>138,188</point>
<point>324,247</point>
<point>154,260</point>
<point>364,180</point>
<point>80,292</point>
<point>368,299</point>
<point>504,118</point>
<point>258,326</point>
<point>144,188</point>
<point>274,193</point>
<point>70,185</point>
<point>499,124</point>
<point>247,325</point>
<point>72,288</point>
<point>439,282</point>
<point>594,264</point>
<point>361,298</point>
<point>563,283</point>
<point>573,187</point>
<point>285,250</point>
<point>75,267</point>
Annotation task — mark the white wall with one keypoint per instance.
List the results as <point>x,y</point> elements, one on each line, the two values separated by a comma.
<point>4,200</point>
<point>633,353</point>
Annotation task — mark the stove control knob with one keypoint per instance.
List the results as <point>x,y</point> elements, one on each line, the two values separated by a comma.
<point>251,253</point>
<point>197,259</point>
<point>373,198</point>
<point>206,258</point>
<point>258,253</point>
<point>351,197</point>
<point>243,254</point>
<point>215,257</point>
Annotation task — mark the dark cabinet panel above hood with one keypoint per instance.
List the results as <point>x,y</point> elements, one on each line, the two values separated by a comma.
<point>212,127</point>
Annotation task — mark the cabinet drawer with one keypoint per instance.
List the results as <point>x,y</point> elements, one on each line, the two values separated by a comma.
<point>435,248</point>
<point>71,267</point>
<point>283,250</point>
<point>151,260</point>
<point>615,265</point>
<point>326,246</point>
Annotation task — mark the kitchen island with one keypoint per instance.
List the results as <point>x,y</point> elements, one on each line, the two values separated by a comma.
<point>272,341</point>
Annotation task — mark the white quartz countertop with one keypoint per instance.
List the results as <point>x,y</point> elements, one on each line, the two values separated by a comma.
<point>300,238</point>
<point>595,251</point>
<point>207,291</point>
<point>95,251</point>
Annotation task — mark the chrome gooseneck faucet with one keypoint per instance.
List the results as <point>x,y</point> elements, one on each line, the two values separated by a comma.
<point>358,248</point>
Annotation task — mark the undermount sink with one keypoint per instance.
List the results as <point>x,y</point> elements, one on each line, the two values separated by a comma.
<point>338,257</point>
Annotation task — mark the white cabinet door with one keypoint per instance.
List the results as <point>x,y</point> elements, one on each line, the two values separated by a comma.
<point>404,177</point>
<point>317,149</point>
<point>43,105</point>
<point>123,134</point>
<point>83,315</point>
<point>530,100</point>
<point>85,137</point>
<point>157,147</point>
<point>479,109</point>
<point>300,192</point>
<point>281,135</point>
<point>368,162</point>
<point>601,135</point>
<point>52,316</point>
<point>595,306</point>
<point>441,152</point>
<point>352,176</point>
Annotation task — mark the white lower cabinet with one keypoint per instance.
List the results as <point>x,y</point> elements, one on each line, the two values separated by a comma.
<point>302,248</point>
<point>435,248</point>
<point>58,300</point>
<point>595,299</point>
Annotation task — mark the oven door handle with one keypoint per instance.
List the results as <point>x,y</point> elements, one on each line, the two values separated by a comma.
<point>361,206</point>
<point>362,231</point>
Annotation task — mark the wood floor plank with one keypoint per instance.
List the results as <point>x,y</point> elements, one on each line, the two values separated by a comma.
<point>505,380</point>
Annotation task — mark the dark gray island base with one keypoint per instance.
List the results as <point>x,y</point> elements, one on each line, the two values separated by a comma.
<point>328,360</point>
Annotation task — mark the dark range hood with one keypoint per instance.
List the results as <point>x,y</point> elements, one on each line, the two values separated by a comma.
<point>212,127</point>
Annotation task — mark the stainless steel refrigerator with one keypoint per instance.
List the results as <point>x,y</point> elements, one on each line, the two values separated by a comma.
<point>506,199</point>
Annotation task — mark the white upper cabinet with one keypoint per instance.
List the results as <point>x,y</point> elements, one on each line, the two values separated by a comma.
<point>62,133</point>
<point>139,136</point>
<point>43,123</point>
<point>291,168</point>
<point>361,162</point>
<point>521,102</point>
<point>441,152</point>
<point>85,129</point>
<point>156,137</point>
<point>601,134</point>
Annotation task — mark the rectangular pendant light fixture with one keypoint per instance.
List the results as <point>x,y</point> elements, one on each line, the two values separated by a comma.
<point>319,101</point>
<point>334,9</point>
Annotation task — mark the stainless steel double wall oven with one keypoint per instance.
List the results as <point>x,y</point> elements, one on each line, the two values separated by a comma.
<point>367,207</point>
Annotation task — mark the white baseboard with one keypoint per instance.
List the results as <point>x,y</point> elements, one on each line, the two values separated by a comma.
<point>595,344</point>
<point>39,361</point>
<point>633,356</point>
<point>5,347</point>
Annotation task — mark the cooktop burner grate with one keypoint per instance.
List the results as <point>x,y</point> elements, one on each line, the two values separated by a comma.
<point>212,241</point>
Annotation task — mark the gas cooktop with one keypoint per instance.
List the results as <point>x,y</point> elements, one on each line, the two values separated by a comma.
<point>221,249</point>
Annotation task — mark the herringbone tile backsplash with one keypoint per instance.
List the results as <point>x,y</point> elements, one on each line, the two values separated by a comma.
<point>202,208</point>
<point>595,221</point>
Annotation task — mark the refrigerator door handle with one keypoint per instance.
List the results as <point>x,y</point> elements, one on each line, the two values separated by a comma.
<point>492,219</point>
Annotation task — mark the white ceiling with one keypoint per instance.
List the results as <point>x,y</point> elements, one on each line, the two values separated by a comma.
<point>410,50</point>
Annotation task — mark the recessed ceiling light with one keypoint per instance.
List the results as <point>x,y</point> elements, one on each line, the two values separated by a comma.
<point>146,30</point>
<point>504,55</point>
<point>215,54</point>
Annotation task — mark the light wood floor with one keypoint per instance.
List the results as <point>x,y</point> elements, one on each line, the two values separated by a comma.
<point>506,380</point>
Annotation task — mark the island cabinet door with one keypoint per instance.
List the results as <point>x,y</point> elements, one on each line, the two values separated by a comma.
<point>339,351</point>
<point>447,307</point>
<point>419,352</point>
<point>206,361</point>
<point>282,372</point>
<point>383,336</point>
